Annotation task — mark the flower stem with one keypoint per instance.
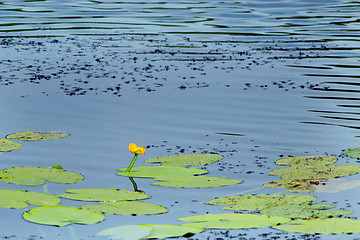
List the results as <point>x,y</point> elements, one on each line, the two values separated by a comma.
<point>132,163</point>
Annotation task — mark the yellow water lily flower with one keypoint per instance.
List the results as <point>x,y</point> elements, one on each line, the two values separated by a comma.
<point>135,149</point>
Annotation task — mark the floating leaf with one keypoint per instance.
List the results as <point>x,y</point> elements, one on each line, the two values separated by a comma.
<point>260,201</point>
<point>337,185</point>
<point>306,160</point>
<point>233,221</point>
<point>34,176</point>
<point>353,153</point>
<point>322,226</point>
<point>297,185</point>
<point>98,194</point>
<point>128,232</point>
<point>194,181</point>
<point>160,171</point>
<point>162,231</point>
<point>305,211</point>
<point>185,160</point>
<point>127,208</point>
<point>20,198</point>
<point>8,145</point>
<point>62,216</point>
<point>35,136</point>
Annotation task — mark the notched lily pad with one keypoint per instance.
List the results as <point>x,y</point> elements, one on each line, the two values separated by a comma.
<point>35,136</point>
<point>98,194</point>
<point>127,208</point>
<point>305,211</point>
<point>62,216</point>
<point>353,153</point>
<point>163,231</point>
<point>322,226</point>
<point>185,159</point>
<point>261,201</point>
<point>307,160</point>
<point>34,176</point>
<point>194,181</point>
<point>160,171</point>
<point>8,145</point>
<point>20,199</point>
<point>233,221</point>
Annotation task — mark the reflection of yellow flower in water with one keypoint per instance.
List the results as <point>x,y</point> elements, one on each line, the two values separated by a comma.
<point>135,149</point>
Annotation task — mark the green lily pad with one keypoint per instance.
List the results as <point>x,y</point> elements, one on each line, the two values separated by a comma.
<point>260,201</point>
<point>162,231</point>
<point>8,145</point>
<point>307,160</point>
<point>194,181</point>
<point>98,194</point>
<point>160,171</point>
<point>233,221</point>
<point>353,153</point>
<point>316,172</point>
<point>322,226</point>
<point>35,136</point>
<point>62,216</point>
<point>185,160</point>
<point>305,211</point>
<point>127,232</point>
<point>34,176</point>
<point>20,198</point>
<point>296,185</point>
<point>127,208</point>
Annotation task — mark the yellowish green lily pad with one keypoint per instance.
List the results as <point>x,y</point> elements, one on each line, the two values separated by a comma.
<point>163,231</point>
<point>127,232</point>
<point>160,171</point>
<point>194,181</point>
<point>185,159</point>
<point>353,153</point>
<point>127,208</point>
<point>307,160</point>
<point>99,194</point>
<point>261,201</point>
<point>322,226</point>
<point>8,145</point>
<point>20,198</point>
<point>233,221</point>
<point>34,176</point>
<point>35,136</point>
<point>62,216</point>
<point>305,211</point>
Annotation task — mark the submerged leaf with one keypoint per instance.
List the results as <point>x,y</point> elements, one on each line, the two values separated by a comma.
<point>306,160</point>
<point>305,211</point>
<point>33,176</point>
<point>260,201</point>
<point>62,216</point>
<point>127,208</point>
<point>233,221</point>
<point>20,198</point>
<point>99,194</point>
<point>337,185</point>
<point>322,226</point>
<point>8,145</point>
<point>162,231</point>
<point>353,153</point>
<point>185,159</point>
<point>194,181</point>
<point>35,136</point>
<point>127,232</point>
<point>160,171</point>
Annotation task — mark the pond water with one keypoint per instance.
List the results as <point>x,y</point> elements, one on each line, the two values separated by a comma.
<point>251,80</point>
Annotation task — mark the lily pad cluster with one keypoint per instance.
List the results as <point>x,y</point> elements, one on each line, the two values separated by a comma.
<point>173,173</point>
<point>306,172</point>
<point>7,145</point>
